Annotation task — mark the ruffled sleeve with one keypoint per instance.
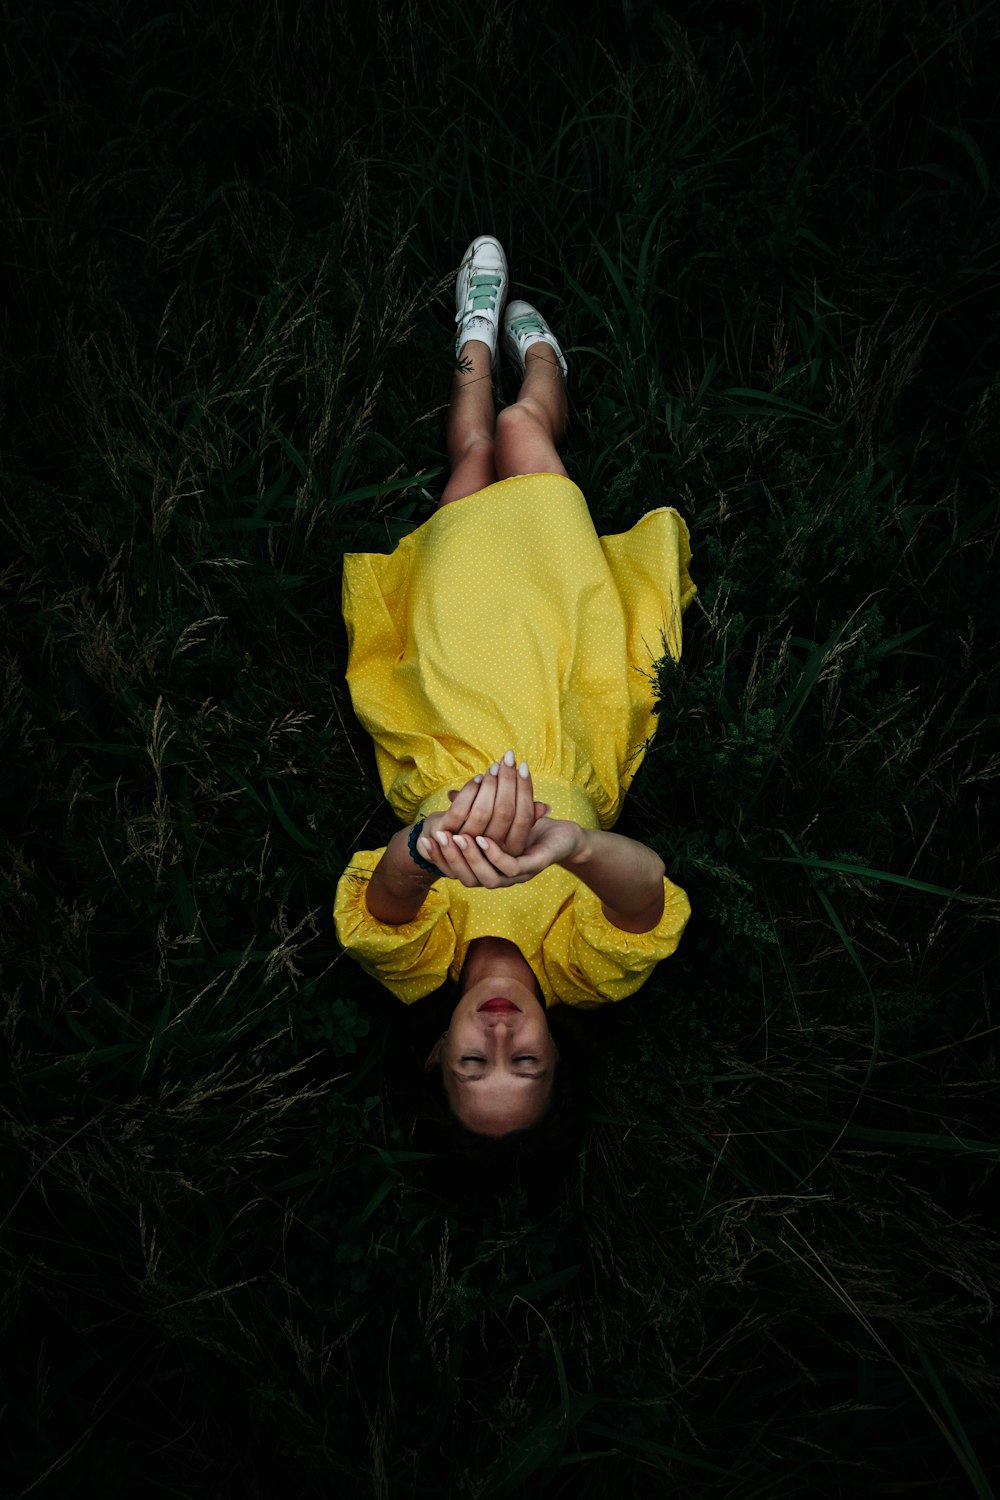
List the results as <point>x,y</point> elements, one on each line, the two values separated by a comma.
<point>410,958</point>
<point>589,961</point>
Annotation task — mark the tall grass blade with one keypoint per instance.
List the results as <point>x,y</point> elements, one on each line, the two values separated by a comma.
<point>866,872</point>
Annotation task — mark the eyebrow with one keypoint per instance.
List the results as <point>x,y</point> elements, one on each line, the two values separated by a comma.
<point>477,1077</point>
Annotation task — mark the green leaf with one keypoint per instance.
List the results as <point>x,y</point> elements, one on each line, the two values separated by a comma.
<point>973,1466</point>
<point>535,1289</point>
<point>390,1158</point>
<point>241,781</point>
<point>293,454</point>
<point>536,1447</point>
<point>186,908</point>
<point>653,1449</point>
<point>313,1174</point>
<point>288,825</point>
<point>156,1039</point>
<point>973,152</point>
<point>779,403</point>
<point>130,752</point>
<point>80,1031</point>
<point>915,1138</point>
<point>380,1193</point>
<point>371,491</point>
<point>866,872</point>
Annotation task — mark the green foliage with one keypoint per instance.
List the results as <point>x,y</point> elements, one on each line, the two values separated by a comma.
<point>769,250</point>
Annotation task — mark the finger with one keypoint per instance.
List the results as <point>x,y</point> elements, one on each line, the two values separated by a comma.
<point>492,865</point>
<point>461,803</point>
<point>462,859</point>
<point>510,866</point>
<point>477,819</point>
<point>454,792</point>
<point>449,860</point>
<point>506,801</point>
<point>519,867</point>
<point>479,815</point>
<point>524,811</point>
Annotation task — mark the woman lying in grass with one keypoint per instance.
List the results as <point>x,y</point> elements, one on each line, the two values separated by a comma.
<point>505,621</point>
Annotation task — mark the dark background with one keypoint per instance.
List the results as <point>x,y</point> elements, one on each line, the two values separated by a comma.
<point>767,237</point>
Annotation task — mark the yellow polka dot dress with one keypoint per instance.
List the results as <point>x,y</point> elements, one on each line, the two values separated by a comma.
<point>505,620</point>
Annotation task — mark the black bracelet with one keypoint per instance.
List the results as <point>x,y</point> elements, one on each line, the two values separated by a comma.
<point>424,864</point>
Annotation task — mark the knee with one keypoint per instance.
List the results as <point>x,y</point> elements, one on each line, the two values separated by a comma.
<point>524,444</point>
<point>520,438</point>
<point>515,420</point>
<point>478,446</point>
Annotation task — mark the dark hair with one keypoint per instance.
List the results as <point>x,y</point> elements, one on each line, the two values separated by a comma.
<point>469,1165</point>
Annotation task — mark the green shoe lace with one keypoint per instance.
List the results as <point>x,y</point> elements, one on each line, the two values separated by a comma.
<point>484,289</point>
<point>528,324</point>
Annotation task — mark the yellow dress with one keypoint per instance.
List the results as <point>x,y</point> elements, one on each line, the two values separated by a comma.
<point>506,621</point>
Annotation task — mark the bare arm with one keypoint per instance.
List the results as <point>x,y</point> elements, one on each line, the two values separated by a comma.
<point>626,875</point>
<point>397,888</point>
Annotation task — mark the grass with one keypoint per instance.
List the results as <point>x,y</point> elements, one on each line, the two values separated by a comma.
<point>769,244</point>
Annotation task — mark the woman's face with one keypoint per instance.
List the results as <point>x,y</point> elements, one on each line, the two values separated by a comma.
<point>497,1063</point>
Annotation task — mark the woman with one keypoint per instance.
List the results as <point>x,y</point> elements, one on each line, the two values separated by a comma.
<point>504,645</point>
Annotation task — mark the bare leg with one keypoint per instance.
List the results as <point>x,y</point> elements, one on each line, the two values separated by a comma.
<point>471,426</point>
<point>528,432</point>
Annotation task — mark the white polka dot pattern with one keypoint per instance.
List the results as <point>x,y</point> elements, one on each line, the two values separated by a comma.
<point>504,620</point>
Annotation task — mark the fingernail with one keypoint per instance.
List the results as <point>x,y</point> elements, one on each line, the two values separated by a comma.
<point>442,839</point>
<point>495,768</point>
<point>477,779</point>
<point>509,758</point>
<point>459,840</point>
<point>522,770</point>
<point>483,843</point>
<point>425,845</point>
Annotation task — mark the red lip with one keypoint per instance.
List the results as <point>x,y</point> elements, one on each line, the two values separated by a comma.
<point>499,1004</point>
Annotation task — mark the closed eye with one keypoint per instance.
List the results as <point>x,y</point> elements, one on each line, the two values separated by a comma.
<point>525,1057</point>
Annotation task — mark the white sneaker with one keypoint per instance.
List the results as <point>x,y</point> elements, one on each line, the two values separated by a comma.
<point>523,325</point>
<point>480,293</point>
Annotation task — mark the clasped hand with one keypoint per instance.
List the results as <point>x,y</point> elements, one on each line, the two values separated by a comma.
<point>495,834</point>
